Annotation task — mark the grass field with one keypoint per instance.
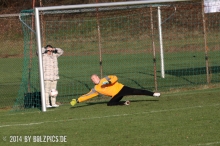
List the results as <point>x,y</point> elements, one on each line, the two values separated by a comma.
<point>135,70</point>
<point>187,118</point>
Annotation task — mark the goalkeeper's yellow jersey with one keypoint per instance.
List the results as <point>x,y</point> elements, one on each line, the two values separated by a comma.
<point>110,89</point>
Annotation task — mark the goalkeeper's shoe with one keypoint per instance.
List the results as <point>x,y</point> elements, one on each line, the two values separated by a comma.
<point>156,94</point>
<point>48,106</point>
<point>73,102</point>
<point>127,102</point>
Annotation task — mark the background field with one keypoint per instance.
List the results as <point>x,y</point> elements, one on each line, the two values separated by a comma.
<point>132,69</point>
<point>185,118</point>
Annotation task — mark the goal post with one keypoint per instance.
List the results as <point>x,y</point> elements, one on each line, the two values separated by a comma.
<point>40,59</point>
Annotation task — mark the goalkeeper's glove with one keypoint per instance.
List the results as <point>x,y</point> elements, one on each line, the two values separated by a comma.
<point>73,102</point>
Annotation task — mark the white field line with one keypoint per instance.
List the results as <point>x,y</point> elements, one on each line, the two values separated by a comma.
<point>109,116</point>
<point>27,112</point>
<point>177,93</point>
<point>207,144</point>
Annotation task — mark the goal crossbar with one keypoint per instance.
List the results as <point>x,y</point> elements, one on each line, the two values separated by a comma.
<point>104,4</point>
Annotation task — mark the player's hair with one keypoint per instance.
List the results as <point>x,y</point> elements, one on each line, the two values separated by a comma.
<point>47,46</point>
<point>93,75</point>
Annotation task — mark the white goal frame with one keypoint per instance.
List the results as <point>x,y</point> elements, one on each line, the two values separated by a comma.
<point>66,7</point>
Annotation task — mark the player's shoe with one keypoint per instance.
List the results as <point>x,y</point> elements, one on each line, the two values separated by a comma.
<point>156,94</point>
<point>73,102</point>
<point>127,102</point>
<point>55,105</point>
<point>48,106</point>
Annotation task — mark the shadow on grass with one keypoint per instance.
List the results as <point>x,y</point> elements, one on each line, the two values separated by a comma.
<point>192,71</point>
<point>184,73</point>
<point>105,102</point>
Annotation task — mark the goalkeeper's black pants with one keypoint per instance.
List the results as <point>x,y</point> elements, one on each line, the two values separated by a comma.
<point>127,91</point>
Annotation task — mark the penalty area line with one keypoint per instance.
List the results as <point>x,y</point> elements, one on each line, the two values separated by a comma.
<point>206,144</point>
<point>109,116</point>
<point>22,113</point>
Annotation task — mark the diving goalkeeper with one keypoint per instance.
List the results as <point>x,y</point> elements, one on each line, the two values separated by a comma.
<point>110,86</point>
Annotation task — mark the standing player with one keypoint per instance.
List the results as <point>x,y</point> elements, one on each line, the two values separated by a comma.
<point>50,67</point>
<point>110,86</point>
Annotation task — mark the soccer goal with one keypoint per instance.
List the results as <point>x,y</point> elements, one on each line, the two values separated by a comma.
<point>102,38</point>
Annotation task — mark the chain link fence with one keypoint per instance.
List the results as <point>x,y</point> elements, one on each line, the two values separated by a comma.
<point>11,59</point>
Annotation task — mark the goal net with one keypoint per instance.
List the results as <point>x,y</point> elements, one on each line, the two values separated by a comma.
<point>109,38</point>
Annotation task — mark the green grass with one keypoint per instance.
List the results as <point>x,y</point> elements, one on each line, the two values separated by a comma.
<point>181,118</point>
<point>135,70</point>
<point>11,74</point>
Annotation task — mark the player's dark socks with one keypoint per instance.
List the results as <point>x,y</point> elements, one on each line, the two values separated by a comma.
<point>115,103</point>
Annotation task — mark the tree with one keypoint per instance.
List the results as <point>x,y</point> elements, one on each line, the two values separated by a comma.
<point>4,3</point>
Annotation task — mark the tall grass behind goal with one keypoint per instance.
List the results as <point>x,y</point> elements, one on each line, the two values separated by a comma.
<point>121,40</point>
